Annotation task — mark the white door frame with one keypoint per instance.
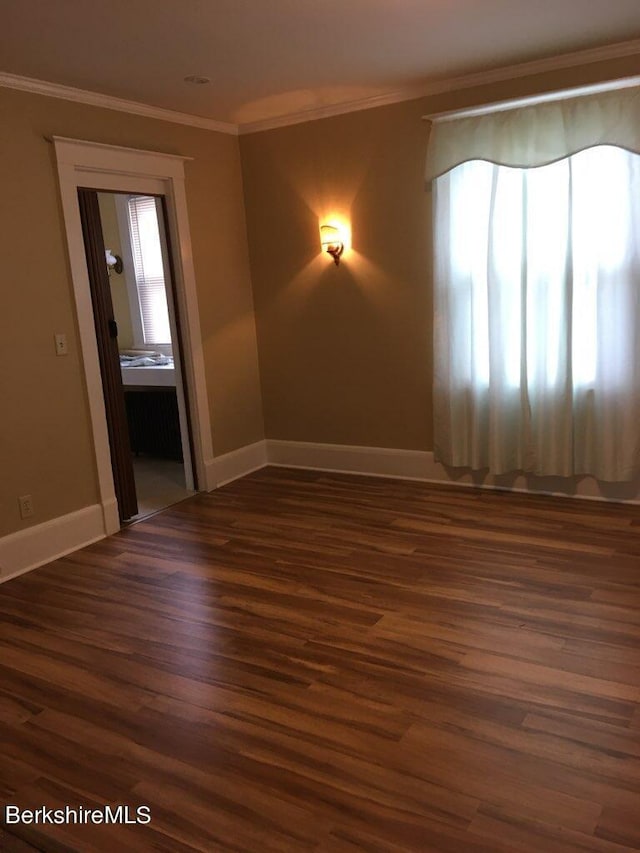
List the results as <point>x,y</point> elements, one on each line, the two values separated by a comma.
<point>108,167</point>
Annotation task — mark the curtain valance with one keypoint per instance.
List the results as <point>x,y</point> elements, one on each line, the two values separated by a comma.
<point>538,134</point>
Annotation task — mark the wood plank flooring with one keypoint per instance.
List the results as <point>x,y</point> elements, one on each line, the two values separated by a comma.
<point>314,662</point>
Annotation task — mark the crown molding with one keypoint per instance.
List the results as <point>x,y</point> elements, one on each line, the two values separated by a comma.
<point>95,99</point>
<point>433,87</point>
<point>329,110</point>
<point>451,84</point>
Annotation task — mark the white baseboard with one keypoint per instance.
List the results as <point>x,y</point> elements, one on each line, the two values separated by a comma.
<point>421,465</point>
<point>42,543</point>
<point>345,458</point>
<point>111,516</point>
<point>238,463</point>
<point>34,546</point>
<point>25,550</point>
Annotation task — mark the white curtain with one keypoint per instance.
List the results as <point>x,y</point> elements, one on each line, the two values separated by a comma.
<point>537,315</point>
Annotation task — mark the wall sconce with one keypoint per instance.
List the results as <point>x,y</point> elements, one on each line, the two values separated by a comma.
<point>114,262</point>
<point>332,242</point>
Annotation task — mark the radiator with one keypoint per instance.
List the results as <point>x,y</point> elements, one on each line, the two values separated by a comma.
<point>154,426</point>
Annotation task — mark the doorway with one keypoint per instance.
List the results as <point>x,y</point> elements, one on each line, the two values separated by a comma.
<point>139,278</point>
<point>114,169</point>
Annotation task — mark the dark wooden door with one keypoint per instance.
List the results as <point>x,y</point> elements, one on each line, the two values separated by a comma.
<point>107,338</point>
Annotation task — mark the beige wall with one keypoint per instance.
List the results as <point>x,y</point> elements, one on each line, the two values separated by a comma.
<point>45,437</point>
<point>345,353</point>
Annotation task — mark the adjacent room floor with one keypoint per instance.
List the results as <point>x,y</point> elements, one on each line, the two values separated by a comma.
<point>315,662</point>
<point>159,483</point>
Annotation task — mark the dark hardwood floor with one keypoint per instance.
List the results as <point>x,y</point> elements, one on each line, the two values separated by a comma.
<point>314,662</point>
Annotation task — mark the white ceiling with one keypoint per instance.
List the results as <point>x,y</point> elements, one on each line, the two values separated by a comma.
<point>272,58</point>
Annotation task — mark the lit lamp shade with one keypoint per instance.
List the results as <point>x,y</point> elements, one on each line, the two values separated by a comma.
<point>332,242</point>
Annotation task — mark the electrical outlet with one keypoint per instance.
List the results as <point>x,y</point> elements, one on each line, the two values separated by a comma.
<point>26,506</point>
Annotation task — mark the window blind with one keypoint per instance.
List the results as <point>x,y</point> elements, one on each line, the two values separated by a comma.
<point>149,270</point>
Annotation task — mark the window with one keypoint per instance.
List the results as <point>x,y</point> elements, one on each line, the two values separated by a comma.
<point>537,301</point>
<point>146,249</point>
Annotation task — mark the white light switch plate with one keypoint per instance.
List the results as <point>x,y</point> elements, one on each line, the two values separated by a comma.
<point>61,344</point>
